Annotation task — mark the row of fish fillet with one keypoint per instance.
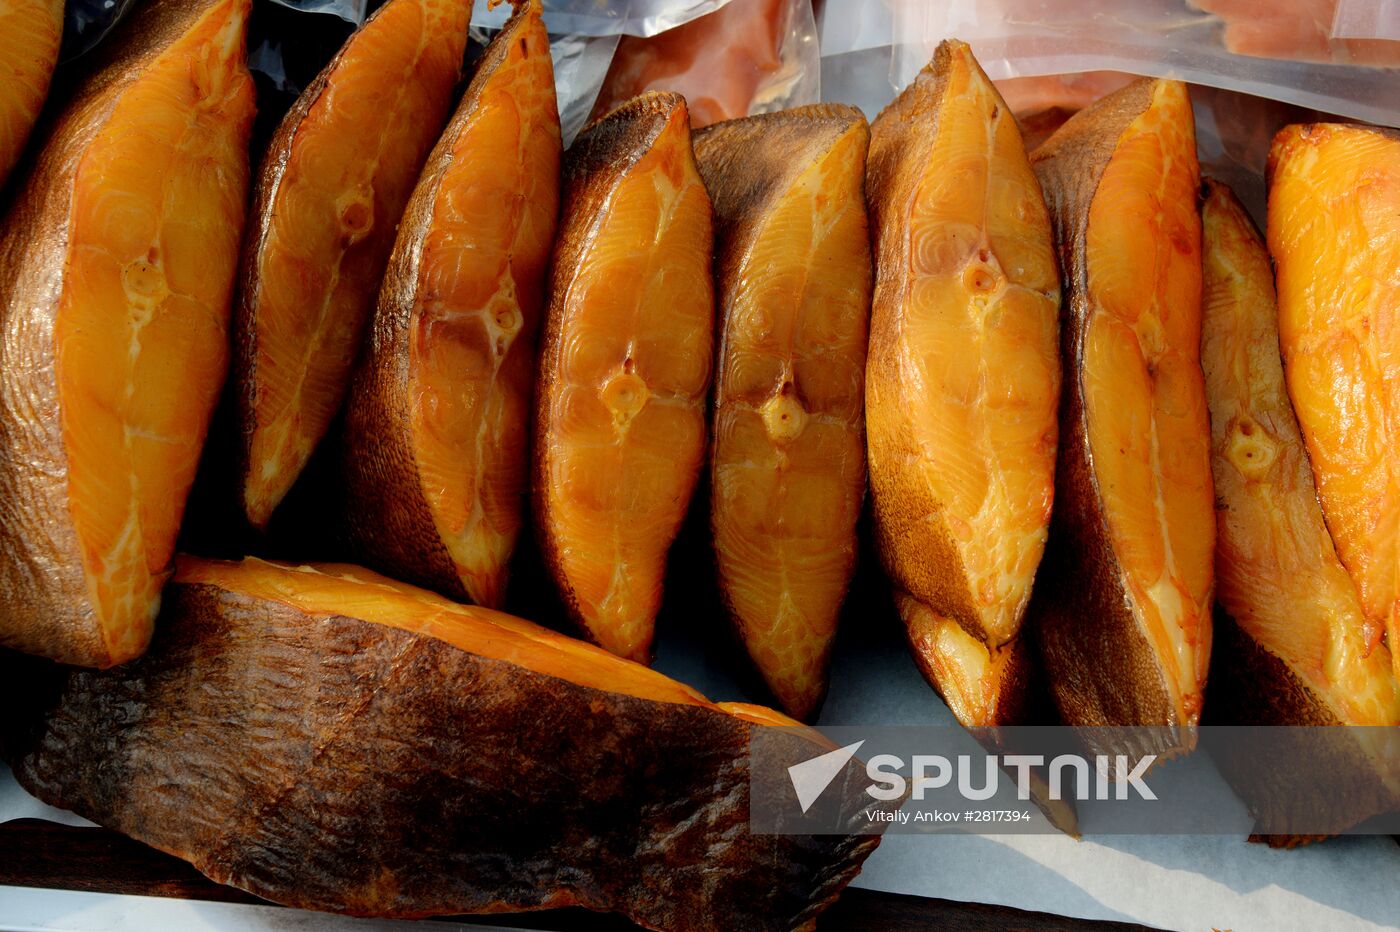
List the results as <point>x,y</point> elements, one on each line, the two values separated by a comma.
<point>1086,411</point>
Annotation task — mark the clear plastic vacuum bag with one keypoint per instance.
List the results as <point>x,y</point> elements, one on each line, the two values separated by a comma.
<point>751,56</point>
<point>603,17</point>
<point>728,57</point>
<point>86,22</point>
<point>1358,75</point>
<point>580,67</point>
<point>1367,19</point>
<point>352,11</point>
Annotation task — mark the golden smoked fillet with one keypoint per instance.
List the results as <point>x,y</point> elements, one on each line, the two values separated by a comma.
<point>787,465</point>
<point>1277,575</point>
<point>1334,232</point>
<point>436,422</point>
<point>116,271</point>
<point>1124,622</point>
<point>963,379</point>
<point>625,368</point>
<point>331,189</point>
<point>30,31</point>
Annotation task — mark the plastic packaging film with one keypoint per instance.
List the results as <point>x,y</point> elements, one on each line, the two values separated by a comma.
<point>86,22</point>
<point>602,17</point>
<point>729,58</point>
<point>1367,19</point>
<point>752,56</point>
<point>352,11</point>
<point>1343,53</point>
<point>565,17</point>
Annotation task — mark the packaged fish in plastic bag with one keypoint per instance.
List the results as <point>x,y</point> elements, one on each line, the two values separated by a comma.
<point>1253,66</point>
<point>751,56</point>
<point>1361,32</point>
<point>1336,56</point>
<point>729,58</point>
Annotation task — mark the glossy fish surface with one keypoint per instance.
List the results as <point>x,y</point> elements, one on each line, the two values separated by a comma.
<point>331,190</point>
<point>963,378</point>
<point>1125,618</point>
<point>787,462</point>
<point>1334,234</point>
<point>625,368</point>
<point>1277,573</point>
<point>437,419</point>
<point>116,272</point>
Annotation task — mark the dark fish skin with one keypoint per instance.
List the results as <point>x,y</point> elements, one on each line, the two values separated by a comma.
<point>335,764</point>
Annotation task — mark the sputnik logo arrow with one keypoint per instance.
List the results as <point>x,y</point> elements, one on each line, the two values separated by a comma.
<point>811,777</point>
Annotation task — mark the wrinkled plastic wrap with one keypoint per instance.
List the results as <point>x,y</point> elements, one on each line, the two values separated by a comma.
<point>728,57</point>
<point>86,22</point>
<point>752,56</point>
<point>603,17</point>
<point>1025,38</point>
<point>352,11</point>
<point>580,67</point>
<point>566,17</point>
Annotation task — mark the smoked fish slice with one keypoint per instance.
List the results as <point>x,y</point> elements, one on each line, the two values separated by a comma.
<point>116,272</point>
<point>963,379</point>
<point>1123,600</point>
<point>1278,577</point>
<point>331,190</point>
<point>787,462</point>
<point>624,369</point>
<point>1334,234</point>
<point>437,419</point>
<point>30,31</point>
<point>370,776</point>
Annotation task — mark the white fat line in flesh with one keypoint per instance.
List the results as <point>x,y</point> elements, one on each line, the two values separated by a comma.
<point>492,407</point>
<point>670,197</point>
<point>999,495</point>
<point>997,491</point>
<point>129,546</point>
<point>291,437</point>
<point>229,41</point>
<point>505,291</point>
<point>1165,592</point>
<point>824,226</point>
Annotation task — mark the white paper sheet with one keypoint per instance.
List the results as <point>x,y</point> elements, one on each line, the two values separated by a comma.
<point>1173,882</point>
